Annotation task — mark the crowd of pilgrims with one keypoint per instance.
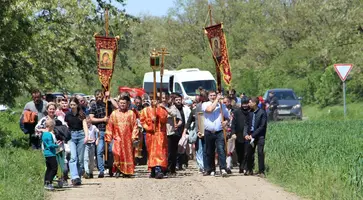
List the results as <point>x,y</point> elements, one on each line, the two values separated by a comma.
<point>165,134</point>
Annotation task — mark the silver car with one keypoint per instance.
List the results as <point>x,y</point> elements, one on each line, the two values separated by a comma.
<point>289,106</point>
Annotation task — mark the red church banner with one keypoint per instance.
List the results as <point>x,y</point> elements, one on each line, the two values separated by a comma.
<point>218,45</point>
<point>106,56</point>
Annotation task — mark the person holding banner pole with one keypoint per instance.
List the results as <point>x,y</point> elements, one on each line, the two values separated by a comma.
<point>153,119</point>
<point>214,124</point>
<point>99,117</point>
<point>106,55</point>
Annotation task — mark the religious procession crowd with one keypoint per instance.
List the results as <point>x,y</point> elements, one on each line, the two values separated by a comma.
<point>119,133</point>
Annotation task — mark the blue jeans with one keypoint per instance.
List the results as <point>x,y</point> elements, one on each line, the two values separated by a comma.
<point>213,141</point>
<point>200,154</point>
<point>101,150</point>
<point>89,158</point>
<point>77,154</point>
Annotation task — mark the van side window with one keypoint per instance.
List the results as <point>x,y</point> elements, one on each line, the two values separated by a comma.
<point>178,88</point>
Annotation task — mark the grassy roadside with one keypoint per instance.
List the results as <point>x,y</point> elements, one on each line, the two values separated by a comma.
<point>354,111</point>
<point>22,173</point>
<point>317,159</point>
<point>22,170</point>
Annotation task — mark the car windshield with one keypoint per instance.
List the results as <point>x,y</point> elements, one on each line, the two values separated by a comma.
<point>285,95</point>
<point>191,87</point>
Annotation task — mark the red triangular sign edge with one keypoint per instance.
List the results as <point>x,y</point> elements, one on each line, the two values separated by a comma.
<point>337,71</point>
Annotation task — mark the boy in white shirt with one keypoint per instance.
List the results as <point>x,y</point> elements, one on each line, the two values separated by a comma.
<point>89,151</point>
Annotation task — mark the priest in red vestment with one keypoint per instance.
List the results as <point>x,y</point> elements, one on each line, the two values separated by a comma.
<point>122,128</point>
<point>156,141</point>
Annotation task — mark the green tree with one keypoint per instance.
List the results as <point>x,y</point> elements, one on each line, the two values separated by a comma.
<point>50,45</point>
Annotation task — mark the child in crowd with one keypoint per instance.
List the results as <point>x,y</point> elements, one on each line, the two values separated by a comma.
<point>49,146</point>
<point>89,152</point>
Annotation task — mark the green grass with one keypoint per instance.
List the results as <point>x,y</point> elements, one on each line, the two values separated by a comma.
<point>354,111</point>
<point>21,169</point>
<point>22,173</point>
<point>316,159</point>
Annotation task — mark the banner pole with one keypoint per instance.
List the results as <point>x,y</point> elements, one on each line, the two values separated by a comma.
<point>219,84</point>
<point>210,15</point>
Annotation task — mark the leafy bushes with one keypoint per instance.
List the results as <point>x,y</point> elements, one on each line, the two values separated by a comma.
<point>10,133</point>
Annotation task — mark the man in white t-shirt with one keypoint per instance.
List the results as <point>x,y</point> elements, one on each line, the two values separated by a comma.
<point>213,134</point>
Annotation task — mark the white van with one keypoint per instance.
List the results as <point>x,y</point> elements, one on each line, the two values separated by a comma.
<point>184,81</point>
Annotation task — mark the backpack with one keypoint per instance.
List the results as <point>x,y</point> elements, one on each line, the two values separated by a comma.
<point>29,117</point>
<point>62,133</point>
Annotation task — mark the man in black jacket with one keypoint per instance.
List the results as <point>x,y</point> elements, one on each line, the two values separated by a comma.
<point>255,132</point>
<point>240,116</point>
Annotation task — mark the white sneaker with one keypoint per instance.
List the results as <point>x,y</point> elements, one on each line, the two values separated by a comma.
<point>49,187</point>
<point>224,173</point>
<point>212,173</point>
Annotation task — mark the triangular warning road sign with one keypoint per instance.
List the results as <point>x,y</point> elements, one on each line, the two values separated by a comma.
<point>343,70</point>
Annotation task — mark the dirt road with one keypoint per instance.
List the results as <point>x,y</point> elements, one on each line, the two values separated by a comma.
<point>189,184</point>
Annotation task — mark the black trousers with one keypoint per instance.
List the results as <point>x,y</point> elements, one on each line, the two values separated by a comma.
<point>52,167</point>
<point>260,144</point>
<point>143,160</point>
<point>34,141</point>
<point>241,150</point>
<point>214,141</point>
<point>173,141</point>
<point>182,159</point>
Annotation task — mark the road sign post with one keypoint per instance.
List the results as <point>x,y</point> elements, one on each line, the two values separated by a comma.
<point>343,72</point>
<point>345,105</point>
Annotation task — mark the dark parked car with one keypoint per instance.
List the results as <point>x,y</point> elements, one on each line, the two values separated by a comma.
<point>289,106</point>
<point>58,94</point>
